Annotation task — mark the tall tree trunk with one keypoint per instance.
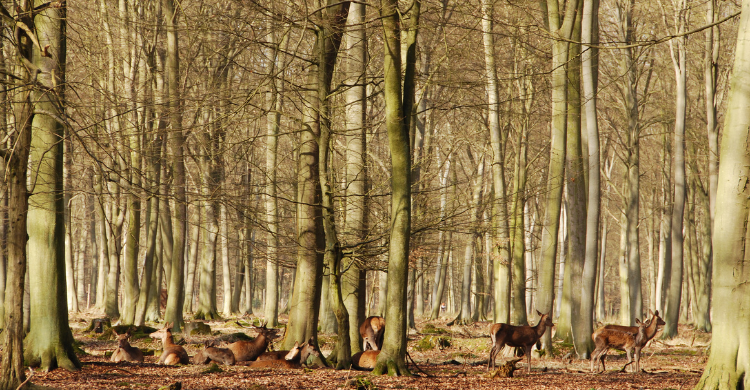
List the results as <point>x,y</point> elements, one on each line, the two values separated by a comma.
<point>355,228</point>
<point>12,364</point>
<point>555,179</point>
<point>501,231</point>
<point>590,79</point>
<point>444,243</point>
<point>678,49</point>
<point>398,103</point>
<point>49,343</point>
<point>729,361</point>
<point>173,312</point>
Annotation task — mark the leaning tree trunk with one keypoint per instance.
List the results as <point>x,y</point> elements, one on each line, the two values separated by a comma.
<point>398,103</point>
<point>49,343</point>
<point>729,362</point>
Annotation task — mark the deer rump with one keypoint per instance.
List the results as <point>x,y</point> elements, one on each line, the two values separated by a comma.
<point>372,330</point>
<point>218,355</point>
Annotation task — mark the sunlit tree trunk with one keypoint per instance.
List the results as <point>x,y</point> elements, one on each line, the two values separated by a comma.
<point>398,103</point>
<point>560,25</point>
<point>729,361</point>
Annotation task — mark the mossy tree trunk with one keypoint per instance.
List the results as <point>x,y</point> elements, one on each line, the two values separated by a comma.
<point>398,103</point>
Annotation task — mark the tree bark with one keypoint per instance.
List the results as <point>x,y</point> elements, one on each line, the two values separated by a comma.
<point>729,361</point>
<point>398,103</point>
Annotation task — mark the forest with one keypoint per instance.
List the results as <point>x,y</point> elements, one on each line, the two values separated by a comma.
<point>346,175</point>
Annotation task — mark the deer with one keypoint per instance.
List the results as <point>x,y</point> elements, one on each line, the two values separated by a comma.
<point>650,331</point>
<point>250,350</point>
<point>172,354</point>
<point>124,351</point>
<point>307,349</point>
<point>626,341</point>
<point>211,353</point>
<point>518,336</point>
<point>365,360</point>
<point>372,330</point>
<point>294,358</point>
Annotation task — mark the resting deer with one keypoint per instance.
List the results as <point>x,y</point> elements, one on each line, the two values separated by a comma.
<point>306,350</point>
<point>365,360</point>
<point>124,351</point>
<point>249,350</point>
<point>626,341</point>
<point>211,353</point>
<point>294,358</point>
<point>517,336</point>
<point>372,330</point>
<point>172,354</point>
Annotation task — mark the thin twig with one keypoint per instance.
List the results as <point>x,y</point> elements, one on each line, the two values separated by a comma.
<point>31,374</point>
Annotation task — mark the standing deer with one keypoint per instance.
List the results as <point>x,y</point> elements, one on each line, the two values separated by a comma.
<point>650,331</point>
<point>517,336</point>
<point>372,330</point>
<point>250,350</point>
<point>625,341</point>
<point>294,358</point>
<point>172,354</point>
<point>124,351</point>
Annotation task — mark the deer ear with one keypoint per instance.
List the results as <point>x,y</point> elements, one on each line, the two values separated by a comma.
<point>537,312</point>
<point>637,321</point>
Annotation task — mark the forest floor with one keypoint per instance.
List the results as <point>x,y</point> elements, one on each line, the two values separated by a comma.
<point>447,358</point>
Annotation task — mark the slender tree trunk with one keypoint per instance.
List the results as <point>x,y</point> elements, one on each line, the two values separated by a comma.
<point>444,243</point>
<point>590,78</point>
<point>173,312</point>
<point>678,49</point>
<point>12,364</point>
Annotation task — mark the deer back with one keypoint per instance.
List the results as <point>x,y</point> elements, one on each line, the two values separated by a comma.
<point>218,355</point>
<point>365,360</point>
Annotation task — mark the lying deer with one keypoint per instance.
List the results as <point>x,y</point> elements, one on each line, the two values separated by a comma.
<point>124,351</point>
<point>211,353</point>
<point>372,330</point>
<point>517,336</point>
<point>276,355</point>
<point>294,358</point>
<point>249,350</point>
<point>365,360</point>
<point>172,354</point>
<point>626,341</point>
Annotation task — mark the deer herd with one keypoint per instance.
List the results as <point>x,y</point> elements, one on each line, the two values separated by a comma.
<point>630,339</point>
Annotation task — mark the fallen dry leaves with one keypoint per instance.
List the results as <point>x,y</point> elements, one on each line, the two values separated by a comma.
<point>676,364</point>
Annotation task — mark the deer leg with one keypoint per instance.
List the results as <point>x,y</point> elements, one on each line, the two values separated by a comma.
<point>527,351</point>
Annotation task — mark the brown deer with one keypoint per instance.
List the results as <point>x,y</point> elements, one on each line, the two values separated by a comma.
<point>124,351</point>
<point>517,336</point>
<point>372,330</point>
<point>172,354</point>
<point>625,341</point>
<point>365,360</point>
<point>211,353</point>
<point>306,350</point>
<point>249,350</point>
<point>650,331</point>
<point>294,358</point>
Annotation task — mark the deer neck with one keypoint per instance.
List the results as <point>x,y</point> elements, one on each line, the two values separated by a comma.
<point>651,328</point>
<point>540,328</point>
